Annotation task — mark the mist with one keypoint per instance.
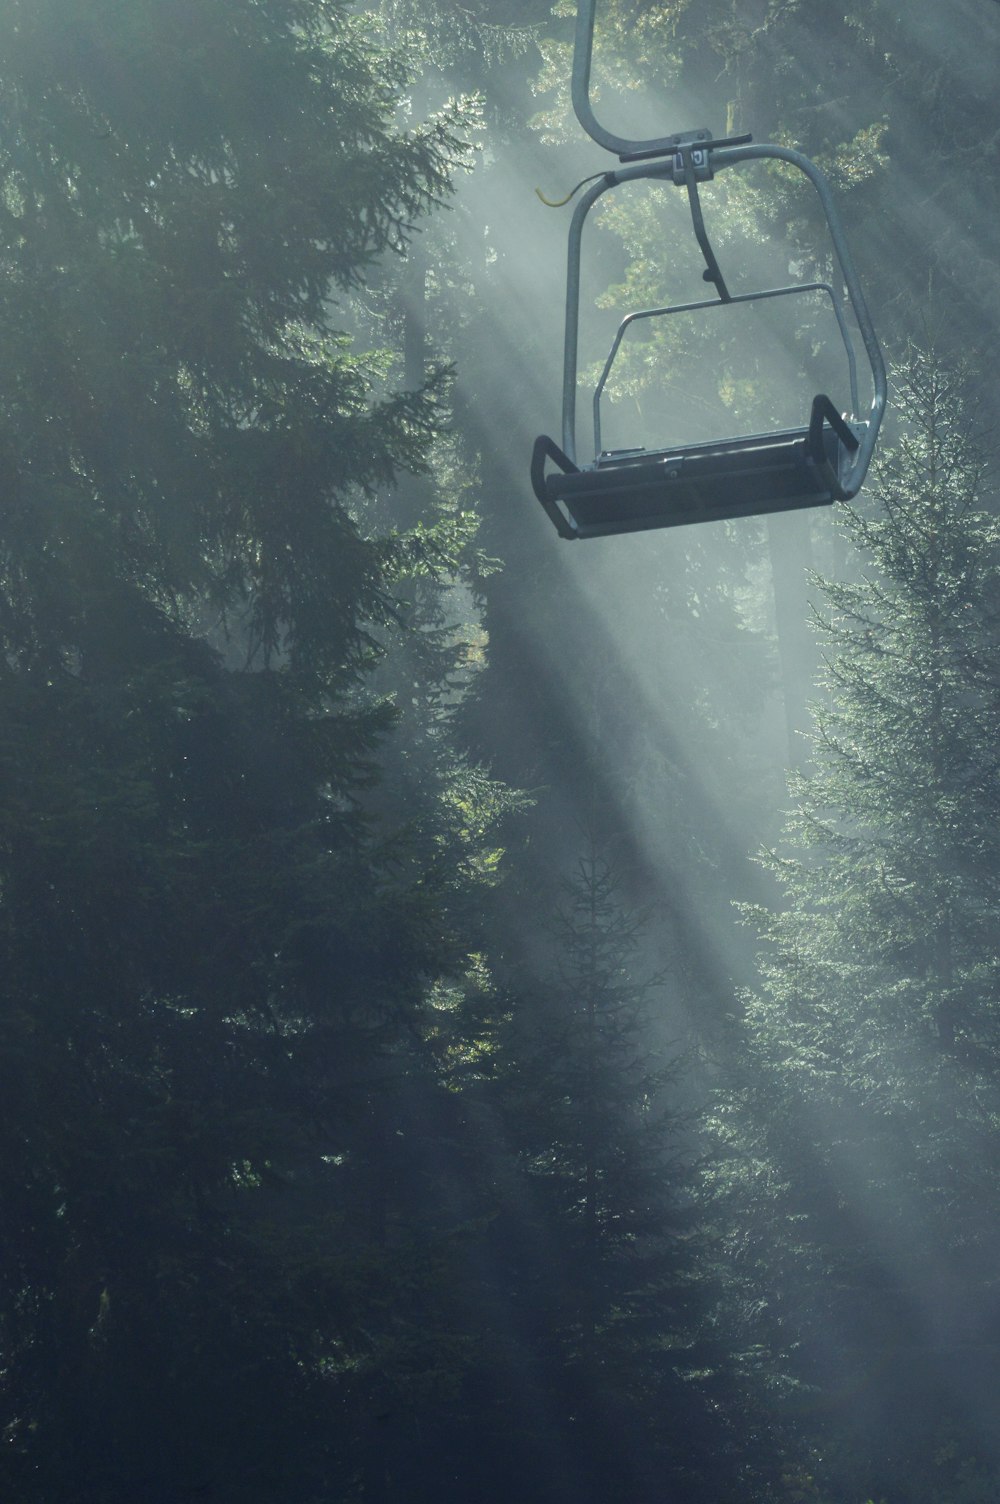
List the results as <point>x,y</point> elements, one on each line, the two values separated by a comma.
<point>488,1015</point>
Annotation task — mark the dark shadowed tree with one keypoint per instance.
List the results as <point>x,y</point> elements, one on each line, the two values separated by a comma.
<point>597,1298</point>
<point>214,962</point>
<point>860,1186</point>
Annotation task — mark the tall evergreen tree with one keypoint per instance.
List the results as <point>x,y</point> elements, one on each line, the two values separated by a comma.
<point>598,1256</point>
<point>862,1191</point>
<point>213,961</point>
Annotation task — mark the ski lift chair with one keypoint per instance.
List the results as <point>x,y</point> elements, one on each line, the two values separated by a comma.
<point>622,491</point>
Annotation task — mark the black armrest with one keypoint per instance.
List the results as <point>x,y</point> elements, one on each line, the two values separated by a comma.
<point>823,411</point>
<point>546,448</point>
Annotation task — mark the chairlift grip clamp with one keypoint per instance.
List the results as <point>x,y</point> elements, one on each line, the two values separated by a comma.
<point>670,147</point>
<point>696,160</point>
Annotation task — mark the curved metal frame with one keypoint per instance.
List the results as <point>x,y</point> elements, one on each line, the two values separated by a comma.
<point>683,159</point>
<point>583,51</point>
<point>741,297</point>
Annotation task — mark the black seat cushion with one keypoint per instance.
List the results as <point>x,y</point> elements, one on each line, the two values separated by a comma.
<point>637,489</point>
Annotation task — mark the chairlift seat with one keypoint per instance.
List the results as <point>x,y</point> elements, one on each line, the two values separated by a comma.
<point>628,491</point>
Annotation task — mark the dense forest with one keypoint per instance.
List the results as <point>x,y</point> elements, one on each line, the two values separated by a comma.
<point>484,1018</point>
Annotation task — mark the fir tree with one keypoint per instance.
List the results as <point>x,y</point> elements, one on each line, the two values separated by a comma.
<point>213,962</point>
<point>597,1236</point>
<point>863,1191</point>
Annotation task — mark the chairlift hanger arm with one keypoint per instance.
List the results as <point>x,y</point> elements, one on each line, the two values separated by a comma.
<point>694,155</point>
<point>631,490</point>
<point>583,52</point>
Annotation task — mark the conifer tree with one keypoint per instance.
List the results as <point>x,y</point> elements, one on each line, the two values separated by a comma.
<point>597,1237</point>
<point>213,961</point>
<point>859,1115</point>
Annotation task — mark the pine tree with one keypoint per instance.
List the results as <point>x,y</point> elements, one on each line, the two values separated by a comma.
<point>858,1120</point>
<point>596,1242</point>
<point>213,962</point>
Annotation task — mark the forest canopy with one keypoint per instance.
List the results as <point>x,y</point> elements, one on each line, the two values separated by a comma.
<point>481,1022</point>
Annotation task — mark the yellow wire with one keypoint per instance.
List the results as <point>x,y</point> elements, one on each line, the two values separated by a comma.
<point>557,203</point>
<point>554,203</point>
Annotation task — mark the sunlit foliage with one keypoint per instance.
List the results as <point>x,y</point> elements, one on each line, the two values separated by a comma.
<point>869,1085</point>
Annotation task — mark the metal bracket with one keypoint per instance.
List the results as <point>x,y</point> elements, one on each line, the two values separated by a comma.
<point>693,162</point>
<point>703,140</point>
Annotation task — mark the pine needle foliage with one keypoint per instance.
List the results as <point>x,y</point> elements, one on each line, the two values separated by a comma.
<point>855,1128</point>
<point>215,966</point>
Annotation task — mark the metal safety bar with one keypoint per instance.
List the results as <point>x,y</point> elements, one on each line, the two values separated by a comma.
<point>743,297</point>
